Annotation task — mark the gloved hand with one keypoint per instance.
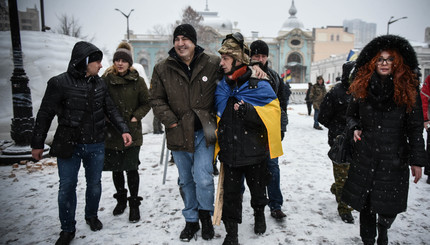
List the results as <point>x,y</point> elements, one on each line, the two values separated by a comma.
<point>282,135</point>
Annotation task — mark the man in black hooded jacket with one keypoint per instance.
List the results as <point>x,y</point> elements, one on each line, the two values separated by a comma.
<point>80,100</point>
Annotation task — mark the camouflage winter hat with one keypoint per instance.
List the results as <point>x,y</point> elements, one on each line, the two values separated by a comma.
<point>234,46</point>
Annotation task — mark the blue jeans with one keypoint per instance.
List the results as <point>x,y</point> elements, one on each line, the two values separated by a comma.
<point>92,156</point>
<point>316,113</point>
<point>273,188</point>
<point>195,178</point>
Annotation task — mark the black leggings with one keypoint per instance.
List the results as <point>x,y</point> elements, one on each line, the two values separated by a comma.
<point>132,181</point>
<point>368,222</point>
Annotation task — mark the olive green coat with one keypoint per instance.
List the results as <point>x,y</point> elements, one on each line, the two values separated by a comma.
<point>130,94</point>
<point>317,94</point>
<point>177,99</point>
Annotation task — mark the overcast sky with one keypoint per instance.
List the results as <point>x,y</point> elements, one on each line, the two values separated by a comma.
<point>99,19</point>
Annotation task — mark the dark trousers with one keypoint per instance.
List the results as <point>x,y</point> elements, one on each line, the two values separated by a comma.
<point>368,223</point>
<point>309,105</point>
<point>256,178</point>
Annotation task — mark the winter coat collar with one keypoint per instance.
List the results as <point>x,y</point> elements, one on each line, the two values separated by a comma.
<point>381,93</point>
<point>131,76</point>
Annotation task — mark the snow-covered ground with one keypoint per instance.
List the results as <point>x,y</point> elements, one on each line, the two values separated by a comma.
<point>28,192</point>
<point>28,201</point>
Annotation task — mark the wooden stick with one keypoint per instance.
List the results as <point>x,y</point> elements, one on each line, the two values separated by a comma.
<point>219,197</point>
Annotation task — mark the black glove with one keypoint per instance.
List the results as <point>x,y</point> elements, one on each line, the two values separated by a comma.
<point>282,135</point>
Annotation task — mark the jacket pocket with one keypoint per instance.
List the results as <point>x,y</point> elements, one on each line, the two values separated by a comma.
<point>175,136</point>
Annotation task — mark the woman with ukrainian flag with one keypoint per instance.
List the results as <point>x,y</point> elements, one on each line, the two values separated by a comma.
<point>248,116</point>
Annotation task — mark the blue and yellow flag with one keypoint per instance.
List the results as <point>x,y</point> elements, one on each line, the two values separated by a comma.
<point>265,102</point>
<point>353,55</point>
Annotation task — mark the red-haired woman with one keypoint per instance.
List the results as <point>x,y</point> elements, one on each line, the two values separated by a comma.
<point>386,117</point>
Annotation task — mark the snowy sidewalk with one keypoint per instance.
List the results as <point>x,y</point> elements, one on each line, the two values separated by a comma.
<point>29,213</point>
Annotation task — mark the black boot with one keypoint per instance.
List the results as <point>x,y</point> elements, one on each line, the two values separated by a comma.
<point>65,238</point>
<point>260,221</point>
<point>231,238</point>
<point>207,227</point>
<point>134,203</point>
<point>189,231</point>
<point>121,198</point>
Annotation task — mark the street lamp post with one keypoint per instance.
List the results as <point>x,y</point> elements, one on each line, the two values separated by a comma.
<point>23,120</point>
<point>126,16</point>
<point>391,21</point>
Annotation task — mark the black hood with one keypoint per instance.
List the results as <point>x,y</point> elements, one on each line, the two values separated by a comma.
<point>386,42</point>
<point>81,50</point>
<point>347,68</point>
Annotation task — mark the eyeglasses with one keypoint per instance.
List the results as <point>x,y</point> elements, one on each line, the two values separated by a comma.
<point>381,60</point>
<point>239,40</point>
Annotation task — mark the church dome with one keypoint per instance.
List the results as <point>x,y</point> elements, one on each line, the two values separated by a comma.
<point>211,19</point>
<point>292,21</point>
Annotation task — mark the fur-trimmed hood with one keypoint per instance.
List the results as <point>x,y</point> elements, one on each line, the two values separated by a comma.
<point>386,42</point>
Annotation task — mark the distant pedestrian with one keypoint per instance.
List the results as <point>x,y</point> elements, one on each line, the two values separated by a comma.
<point>308,99</point>
<point>425,97</point>
<point>316,95</point>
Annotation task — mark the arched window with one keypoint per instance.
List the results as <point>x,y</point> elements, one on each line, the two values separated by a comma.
<point>294,58</point>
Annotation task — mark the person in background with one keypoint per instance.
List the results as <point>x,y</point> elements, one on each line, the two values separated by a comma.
<point>333,116</point>
<point>308,99</point>
<point>182,97</point>
<point>425,96</point>
<point>80,100</point>
<point>249,120</point>
<point>260,53</point>
<point>386,118</point>
<point>316,95</point>
<point>130,94</point>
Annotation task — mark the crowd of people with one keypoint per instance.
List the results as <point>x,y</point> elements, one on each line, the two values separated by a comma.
<point>233,107</point>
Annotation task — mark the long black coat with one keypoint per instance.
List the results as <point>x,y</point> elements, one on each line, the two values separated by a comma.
<point>391,140</point>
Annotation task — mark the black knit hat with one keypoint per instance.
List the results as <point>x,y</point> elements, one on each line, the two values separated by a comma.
<point>96,56</point>
<point>123,52</point>
<point>186,30</point>
<point>259,47</point>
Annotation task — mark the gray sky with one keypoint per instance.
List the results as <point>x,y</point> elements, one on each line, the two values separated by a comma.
<point>99,19</point>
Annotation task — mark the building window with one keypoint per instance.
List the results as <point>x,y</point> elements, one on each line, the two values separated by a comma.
<point>337,37</point>
<point>295,42</point>
<point>332,37</point>
<point>144,63</point>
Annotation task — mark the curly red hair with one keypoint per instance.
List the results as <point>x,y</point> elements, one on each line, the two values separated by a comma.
<point>405,81</point>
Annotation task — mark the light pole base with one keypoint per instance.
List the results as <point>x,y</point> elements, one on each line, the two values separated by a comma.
<point>11,153</point>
